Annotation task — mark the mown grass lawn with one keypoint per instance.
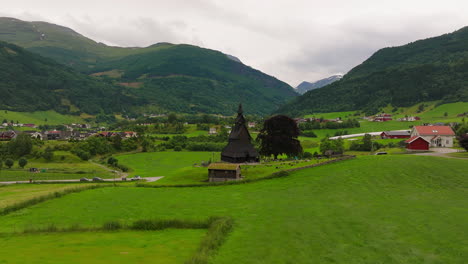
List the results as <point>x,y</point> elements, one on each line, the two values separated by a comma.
<point>374,209</point>
<point>174,166</point>
<point>11,194</point>
<point>164,247</point>
<point>54,171</point>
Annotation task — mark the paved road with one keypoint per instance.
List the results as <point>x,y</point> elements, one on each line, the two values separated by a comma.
<point>440,152</point>
<point>148,179</point>
<point>362,134</point>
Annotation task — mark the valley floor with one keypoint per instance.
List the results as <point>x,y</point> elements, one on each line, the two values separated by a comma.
<point>373,209</point>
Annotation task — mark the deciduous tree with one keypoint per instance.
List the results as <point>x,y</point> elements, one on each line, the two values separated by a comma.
<point>279,136</point>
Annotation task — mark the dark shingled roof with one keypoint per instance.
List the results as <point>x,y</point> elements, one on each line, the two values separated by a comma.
<point>239,148</point>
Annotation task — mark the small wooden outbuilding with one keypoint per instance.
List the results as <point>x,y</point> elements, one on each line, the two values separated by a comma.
<point>224,172</point>
<point>417,143</point>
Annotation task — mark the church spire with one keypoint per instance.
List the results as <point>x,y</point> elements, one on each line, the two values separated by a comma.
<point>240,111</point>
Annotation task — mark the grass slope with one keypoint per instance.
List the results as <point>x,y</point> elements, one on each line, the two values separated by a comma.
<point>12,194</point>
<point>39,117</point>
<point>375,209</point>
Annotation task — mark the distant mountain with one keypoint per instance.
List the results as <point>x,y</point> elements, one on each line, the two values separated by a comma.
<point>426,70</point>
<point>307,86</point>
<point>31,82</point>
<point>163,77</point>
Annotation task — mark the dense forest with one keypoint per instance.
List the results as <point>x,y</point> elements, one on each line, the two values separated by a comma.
<point>31,82</point>
<point>426,70</point>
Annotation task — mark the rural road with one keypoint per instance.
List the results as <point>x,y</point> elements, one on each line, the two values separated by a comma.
<point>362,134</point>
<point>148,179</point>
<point>440,152</point>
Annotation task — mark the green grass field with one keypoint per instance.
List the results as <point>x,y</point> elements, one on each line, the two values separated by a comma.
<point>11,194</point>
<point>164,247</point>
<point>174,166</point>
<point>39,117</point>
<point>374,209</point>
<point>178,167</point>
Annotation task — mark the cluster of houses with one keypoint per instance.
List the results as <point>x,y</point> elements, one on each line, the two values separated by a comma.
<point>64,135</point>
<point>409,119</point>
<point>12,124</point>
<point>424,137</point>
<point>313,119</point>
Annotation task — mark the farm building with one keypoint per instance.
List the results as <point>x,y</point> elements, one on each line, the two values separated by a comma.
<point>395,134</point>
<point>224,172</point>
<point>383,118</point>
<point>8,135</point>
<point>436,136</point>
<point>417,143</point>
<point>239,148</point>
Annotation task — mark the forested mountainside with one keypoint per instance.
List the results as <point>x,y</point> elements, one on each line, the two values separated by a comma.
<point>425,70</point>
<point>31,82</point>
<point>165,77</point>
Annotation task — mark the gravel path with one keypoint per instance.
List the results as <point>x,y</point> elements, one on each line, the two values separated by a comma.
<point>148,179</point>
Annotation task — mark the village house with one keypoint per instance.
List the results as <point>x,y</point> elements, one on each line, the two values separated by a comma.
<point>128,134</point>
<point>409,119</point>
<point>52,135</point>
<point>395,134</point>
<point>212,131</point>
<point>8,135</point>
<point>252,124</point>
<point>30,125</point>
<point>425,137</point>
<point>224,172</point>
<point>383,117</point>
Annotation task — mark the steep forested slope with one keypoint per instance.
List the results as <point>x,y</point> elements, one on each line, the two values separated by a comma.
<point>164,76</point>
<point>30,82</point>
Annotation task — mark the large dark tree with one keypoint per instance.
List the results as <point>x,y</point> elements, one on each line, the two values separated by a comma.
<point>279,136</point>
<point>463,140</point>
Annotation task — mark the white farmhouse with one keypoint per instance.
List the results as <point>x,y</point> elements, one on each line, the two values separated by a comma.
<point>437,136</point>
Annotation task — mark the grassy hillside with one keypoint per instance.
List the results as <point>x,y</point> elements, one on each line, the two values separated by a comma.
<point>31,83</point>
<point>39,117</point>
<point>425,70</point>
<point>165,77</point>
<point>409,209</point>
<point>62,44</point>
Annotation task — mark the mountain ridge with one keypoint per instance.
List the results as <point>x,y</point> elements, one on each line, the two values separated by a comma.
<point>425,70</point>
<point>202,80</point>
<point>305,86</point>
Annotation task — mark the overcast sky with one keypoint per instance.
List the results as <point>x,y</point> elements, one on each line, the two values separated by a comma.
<point>293,40</point>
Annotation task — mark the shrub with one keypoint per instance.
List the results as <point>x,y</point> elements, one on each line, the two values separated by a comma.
<point>48,154</point>
<point>112,225</point>
<point>307,155</point>
<point>9,163</point>
<point>22,162</point>
<point>177,148</point>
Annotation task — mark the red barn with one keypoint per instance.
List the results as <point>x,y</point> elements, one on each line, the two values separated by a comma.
<point>417,143</point>
<point>395,134</point>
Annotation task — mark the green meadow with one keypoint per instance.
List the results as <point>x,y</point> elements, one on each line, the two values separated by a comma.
<point>373,209</point>
<point>11,194</point>
<point>161,247</point>
<point>39,117</point>
<point>184,167</point>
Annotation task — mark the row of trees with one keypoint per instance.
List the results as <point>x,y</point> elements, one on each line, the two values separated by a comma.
<point>10,162</point>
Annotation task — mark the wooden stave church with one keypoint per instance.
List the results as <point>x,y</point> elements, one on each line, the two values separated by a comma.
<point>240,148</point>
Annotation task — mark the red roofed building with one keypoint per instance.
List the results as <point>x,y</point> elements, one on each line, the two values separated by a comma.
<point>417,143</point>
<point>437,136</point>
